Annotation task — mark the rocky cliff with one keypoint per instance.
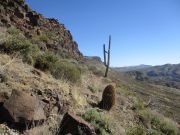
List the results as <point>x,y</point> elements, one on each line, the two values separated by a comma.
<point>55,36</point>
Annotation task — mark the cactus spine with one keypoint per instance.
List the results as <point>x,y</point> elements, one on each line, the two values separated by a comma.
<point>107,62</point>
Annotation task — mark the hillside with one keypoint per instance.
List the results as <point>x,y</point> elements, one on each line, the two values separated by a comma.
<point>47,87</point>
<point>167,75</point>
<point>161,85</point>
<point>47,33</point>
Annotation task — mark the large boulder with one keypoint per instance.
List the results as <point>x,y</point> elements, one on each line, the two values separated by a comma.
<point>72,124</point>
<point>22,108</point>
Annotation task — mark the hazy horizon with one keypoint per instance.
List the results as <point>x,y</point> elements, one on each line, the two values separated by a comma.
<point>143,32</point>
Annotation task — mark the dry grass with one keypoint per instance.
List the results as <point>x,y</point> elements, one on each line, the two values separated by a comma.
<point>79,99</point>
<point>23,76</point>
<point>41,130</point>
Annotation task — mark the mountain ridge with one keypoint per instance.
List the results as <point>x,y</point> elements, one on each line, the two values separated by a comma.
<point>55,36</point>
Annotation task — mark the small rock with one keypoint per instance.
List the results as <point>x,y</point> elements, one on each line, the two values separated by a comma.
<point>72,124</point>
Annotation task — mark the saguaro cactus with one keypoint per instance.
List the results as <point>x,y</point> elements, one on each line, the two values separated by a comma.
<point>107,62</point>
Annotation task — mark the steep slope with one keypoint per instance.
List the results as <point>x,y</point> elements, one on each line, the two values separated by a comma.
<point>161,85</point>
<point>37,57</point>
<point>53,35</point>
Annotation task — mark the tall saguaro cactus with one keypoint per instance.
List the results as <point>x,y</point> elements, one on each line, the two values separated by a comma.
<point>107,62</point>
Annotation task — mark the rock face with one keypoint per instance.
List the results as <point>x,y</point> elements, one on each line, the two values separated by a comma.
<point>74,125</point>
<point>22,108</point>
<point>17,13</point>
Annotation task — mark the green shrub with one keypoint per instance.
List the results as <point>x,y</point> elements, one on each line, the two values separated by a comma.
<point>59,69</point>
<point>158,123</point>
<point>99,120</point>
<point>93,88</point>
<point>66,70</point>
<point>168,128</point>
<point>165,126</point>
<point>154,132</point>
<point>139,104</point>
<point>13,31</point>
<point>155,122</point>
<point>20,45</point>
<point>15,45</point>
<point>136,130</point>
<point>46,61</point>
<point>96,70</point>
<point>146,114</point>
<point>39,39</point>
<point>43,38</point>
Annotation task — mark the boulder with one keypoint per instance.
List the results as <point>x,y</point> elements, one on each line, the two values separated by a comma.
<point>20,2</point>
<point>72,124</point>
<point>19,13</point>
<point>22,108</point>
<point>34,18</point>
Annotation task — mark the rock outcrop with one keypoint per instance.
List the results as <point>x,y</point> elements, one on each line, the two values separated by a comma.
<point>74,125</point>
<point>59,39</point>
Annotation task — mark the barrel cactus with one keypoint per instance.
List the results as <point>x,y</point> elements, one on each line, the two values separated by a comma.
<point>108,98</point>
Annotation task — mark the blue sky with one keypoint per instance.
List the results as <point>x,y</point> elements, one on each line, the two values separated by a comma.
<point>143,31</point>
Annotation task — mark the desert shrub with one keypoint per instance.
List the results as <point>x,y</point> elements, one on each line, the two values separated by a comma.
<point>139,104</point>
<point>46,61</point>
<point>165,126</point>
<point>43,38</point>
<point>159,124</point>
<point>93,88</point>
<point>39,39</point>
<point>51,34</point>
<point>168,128</point>
<point>66,70</point>
<point>18,44</point>
<point>155,122</point>
<point>13,31</point>
<point>59,69</point>
<point>136,130</point>
<point>154,132</point>
<point>99,120</point>
<point>96,70</point>
<point>146,114</point>
<point>15,45</point>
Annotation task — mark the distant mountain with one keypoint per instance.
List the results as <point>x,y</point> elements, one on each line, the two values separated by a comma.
<point>130,68</point>
<point>168,74</point>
